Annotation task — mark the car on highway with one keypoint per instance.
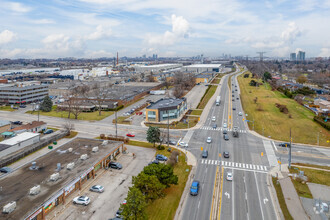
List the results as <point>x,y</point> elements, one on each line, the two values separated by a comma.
<point>130,135</point>
<point>284,144</point>
<point>171,142</point>
<point>233,100</point>
<point>154,162</point>
<point>235,89</point>
<point>48,131</point>
<point>194,188</point>
<point>240,113</point>
<point>183,144</point>
<point>205,154</point>
<point>214,126</point>
<point>237,98</point>
<point>226,154</point>
<point>97,188</point>
<point>115,165</point>
<point>224,125</point>
<point>224,131</point>
<point>5,170</point>
<point>234,108</point>
<point>213,118</point>
<point>22,106</point>
<point>226,137</point>
<point>208,140</point>
<point>233,95</point>
<point>81,200</point>
<point>229,176</point>
<point>161,157</point>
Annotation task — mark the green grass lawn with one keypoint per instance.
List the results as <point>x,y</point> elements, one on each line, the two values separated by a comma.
<point>281,200</point>
<point>165,208</point>
<point>121,120</point>
<point>216,81</point>
<point>89,116</point>
<point>311,165</point>
<point>71,135</point>
<point>207,96</point>
<point>314,176</point>
<point>7,108</point>
<point>180,125</point>
<point>276,124</point>
<point>302,188</point>
<point>196,112</point>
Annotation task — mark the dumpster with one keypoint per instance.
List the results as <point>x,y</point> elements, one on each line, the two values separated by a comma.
<point>55,142</point>
<point>50,147</point>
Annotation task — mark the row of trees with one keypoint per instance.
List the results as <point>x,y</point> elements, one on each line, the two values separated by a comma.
<point>182,82</point>
<point>148,186</point>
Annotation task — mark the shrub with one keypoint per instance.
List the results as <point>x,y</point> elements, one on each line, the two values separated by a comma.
<point>102,136</point>
<point>160,147</point>
<point>173,158</point>
<point>321,121</point>
<point>282,108</point>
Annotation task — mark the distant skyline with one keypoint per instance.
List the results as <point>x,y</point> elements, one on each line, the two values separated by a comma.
<point>100,28</point>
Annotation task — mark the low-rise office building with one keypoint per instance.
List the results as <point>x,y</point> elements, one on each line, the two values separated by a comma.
<point>162,109</point>
<point>34,126</point>
<point>200,68</point>
<point>27,94</point>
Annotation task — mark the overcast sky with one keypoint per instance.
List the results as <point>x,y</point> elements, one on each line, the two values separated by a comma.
<point>100,28</point>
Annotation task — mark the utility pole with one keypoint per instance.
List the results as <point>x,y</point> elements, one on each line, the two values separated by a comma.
<point>318,138</point>
<point>290,150</point>
<point>116,117</point>
<point>168,128</point>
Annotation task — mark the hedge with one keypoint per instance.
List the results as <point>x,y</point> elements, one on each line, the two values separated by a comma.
<point>321,121</point>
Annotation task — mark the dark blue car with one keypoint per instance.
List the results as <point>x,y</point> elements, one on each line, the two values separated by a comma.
<point>194,188</point>
<point>161,157</point>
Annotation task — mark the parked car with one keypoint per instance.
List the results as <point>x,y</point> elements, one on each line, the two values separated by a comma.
<point>235,89</point>
<point>225,125</point>
<point>5,170</point>
<point>154,162</point>
<point>118,213</point>
<point>194,188</point>
<point>81,200</point>
<point>15,107</point>
<point>97,188</point>
<point>226,137</point>
<point>48,131</point>
<point>213,118</point>
<point>226,154</point>
<point>22,106</point>
<point>115,165</point>
<point>233,100</point>
<point>130,135</point>
<point>284,144</point>
<point>205,153</point>
<point>224,131</point>
<point>17,123</point>
<point>229,176</point>
<point>208,140</point>
<point>161,157</point>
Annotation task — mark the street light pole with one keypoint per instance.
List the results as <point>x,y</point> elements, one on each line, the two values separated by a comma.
<point>168,128</point>
<point>116,117</point>
<point>290,150</point>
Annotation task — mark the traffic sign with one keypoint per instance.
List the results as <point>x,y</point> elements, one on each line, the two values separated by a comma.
<point>262,154</point>
<point>201,148</point>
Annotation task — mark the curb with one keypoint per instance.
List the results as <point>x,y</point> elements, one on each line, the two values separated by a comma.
<point>273,195</point>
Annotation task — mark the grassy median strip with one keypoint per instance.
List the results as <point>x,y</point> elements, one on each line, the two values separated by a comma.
<point>165,208</point>
<point>196,112</point>
<point>281,200</point>
<point>7,108</point>
<point>122,120</point>
<point>269,121</point>
<point>208,94</point>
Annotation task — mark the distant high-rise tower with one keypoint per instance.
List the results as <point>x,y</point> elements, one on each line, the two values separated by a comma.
<point>293,56</point>
<point>301,56</point>
<point>117,58</point>
<point>202,59</point>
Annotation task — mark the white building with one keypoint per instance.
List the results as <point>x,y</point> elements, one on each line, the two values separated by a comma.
<point>200,68</point>
<point>18,142</point>
<point>157,67</point>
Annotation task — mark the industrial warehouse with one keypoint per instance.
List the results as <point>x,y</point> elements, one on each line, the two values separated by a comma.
<point>32,191</point>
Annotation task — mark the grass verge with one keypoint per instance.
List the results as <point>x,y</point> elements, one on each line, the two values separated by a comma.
<point>216,81</point>
<point>312,165</point>
<point>122,120</point>
<point>71,135</point>
<point>196,112</point>
<point>165,208</point>
<point>268,120</point>
<point>281,200</point>
<point>6,108</point>
<point>208,94</point>
<point>88,116</point>
<point>302,188</point>
<point>180,125</point>
<point>314,176</point>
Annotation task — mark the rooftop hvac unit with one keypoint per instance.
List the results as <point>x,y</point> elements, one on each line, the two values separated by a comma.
<point>9,207</point>
<point>35,190</point>
<point>105,142</point>
<point>58,168</point>
<point>54,176</point>
<point>70,166</point>
<point>95,149</point>
<point>83,157</point>
<point>70,149</point>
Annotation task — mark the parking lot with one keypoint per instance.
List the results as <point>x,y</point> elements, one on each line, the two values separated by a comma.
<point>116,183</point>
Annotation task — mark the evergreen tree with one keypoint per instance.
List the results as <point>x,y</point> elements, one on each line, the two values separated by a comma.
<point>46,105</point>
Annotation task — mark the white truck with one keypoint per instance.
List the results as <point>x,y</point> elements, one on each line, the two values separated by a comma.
<point>217,101</point>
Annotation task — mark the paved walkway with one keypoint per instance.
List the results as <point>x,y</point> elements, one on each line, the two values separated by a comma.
<point>292,199</point>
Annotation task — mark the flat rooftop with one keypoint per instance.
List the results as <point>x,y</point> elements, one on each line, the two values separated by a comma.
<point>16,88</point>
<point>166,103</point>
<point>204,65</point>
<point>16,186</point>
<point>160,65</point>
<point>19,138</point>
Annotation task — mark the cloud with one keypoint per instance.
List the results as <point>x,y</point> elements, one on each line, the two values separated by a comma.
<point>100,33</point>
<point>98,54</point>
<point>325,52</point>
<point>17,7</point>
<point>180,30</point>
<point>7,36</point>
<point>291,33</point>
<point>43,21</point>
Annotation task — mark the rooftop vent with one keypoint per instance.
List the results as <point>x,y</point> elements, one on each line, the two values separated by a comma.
<point>95,149</point>
<point>58,167</point>
<point>104,143</point>
<point>34,166</point>
<point>70,149</point>
<point>9,207</point>
<point>70,166</point>
<point>35,190</point>
<point>83,157</point>
<point>54,177</point>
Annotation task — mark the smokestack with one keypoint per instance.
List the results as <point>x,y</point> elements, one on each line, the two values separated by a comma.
<point>117,58</point>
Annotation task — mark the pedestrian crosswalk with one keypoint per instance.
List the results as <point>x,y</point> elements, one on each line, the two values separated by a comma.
<point>235,165</point>
<point>220,129</point>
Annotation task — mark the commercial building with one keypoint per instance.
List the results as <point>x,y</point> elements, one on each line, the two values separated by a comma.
<point>58,174</point>
<point>18,142</point>
<point>34,126</point>
<point>157,67</point>
<point>4,125</point>
<point>27,94</point>
<point>200,68</point>
<point>162,109</point>
<point>293,56</point>
<point>301,56</point>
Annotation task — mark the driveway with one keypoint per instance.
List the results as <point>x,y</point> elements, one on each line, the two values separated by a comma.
<point>116,183</point>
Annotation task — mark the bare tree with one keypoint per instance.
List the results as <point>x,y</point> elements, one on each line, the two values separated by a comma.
<point>68,126</point>
<point>178,91</point>
<point>100,95</point>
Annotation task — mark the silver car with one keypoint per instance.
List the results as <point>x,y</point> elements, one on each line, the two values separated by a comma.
<point>209,140</point>
<point>97,188</point>
<point>81,200</point>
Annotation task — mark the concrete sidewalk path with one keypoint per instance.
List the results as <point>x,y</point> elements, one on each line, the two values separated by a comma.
<point>292,199</point>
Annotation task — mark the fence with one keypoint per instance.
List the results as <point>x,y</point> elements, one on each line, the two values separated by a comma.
<point>114,138</point>
<point>32,148</point>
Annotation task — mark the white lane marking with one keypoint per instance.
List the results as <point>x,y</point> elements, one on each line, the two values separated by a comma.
<point>265,168</point>
<point>226,163</point>
<point>209,161</point>
<point>212,162</point>
<point>251,166</point>
<point>202,162</point>
<point>270,153</point>
<point>236,164</point>
<point>262,212</point>
<point>261,167</point>
<point>243,165</point>
<point>254,166</point>
<point>222,163</point>
<point>265,200</point>
<point>257,167</point>
<point>241,169</point>
<point>227,194</point>
<point>199,203</point>
<point>229,163</point>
